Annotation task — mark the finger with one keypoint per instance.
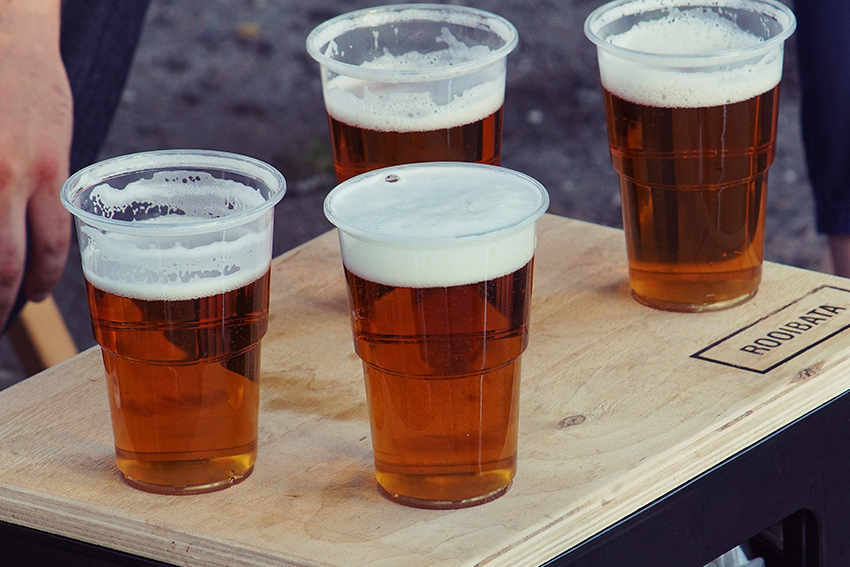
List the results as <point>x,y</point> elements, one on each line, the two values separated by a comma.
<point>12,251</point>
<point>49,229</point>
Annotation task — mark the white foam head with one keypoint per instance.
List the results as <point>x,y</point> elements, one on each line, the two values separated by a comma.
<point>436,224</point>
<point>398,108</point>
<point>690,57</point>
<point>174,234</point>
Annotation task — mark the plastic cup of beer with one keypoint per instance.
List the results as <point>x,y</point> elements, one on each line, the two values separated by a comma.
<point>176,249</point>
<point>413,83</point>
<point>438,261</point>
<point>691,90</point>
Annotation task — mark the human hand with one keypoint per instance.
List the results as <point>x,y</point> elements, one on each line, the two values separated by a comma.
<point>36,119</point>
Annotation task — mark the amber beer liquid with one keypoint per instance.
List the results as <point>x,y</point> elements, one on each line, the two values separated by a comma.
<point>442,373</point>
<point>691,100</point>
<point>438,261</point>
<point>693,184</point>
<point>413,83</point>
<point>358,149</point>
<point>183,383</point>
<point>176,251</point>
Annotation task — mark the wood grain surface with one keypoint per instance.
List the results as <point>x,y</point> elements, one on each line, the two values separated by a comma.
<point>615,412</point>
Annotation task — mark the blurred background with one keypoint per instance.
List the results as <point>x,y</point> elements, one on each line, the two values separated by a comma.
<point>234,75</point>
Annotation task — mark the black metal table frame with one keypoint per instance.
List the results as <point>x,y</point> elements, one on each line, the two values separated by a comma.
<point>799,475</point>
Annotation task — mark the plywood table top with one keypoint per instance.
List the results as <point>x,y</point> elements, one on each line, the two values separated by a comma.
<point>620,404</point>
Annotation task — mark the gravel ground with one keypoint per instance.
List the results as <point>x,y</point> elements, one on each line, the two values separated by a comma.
<point>233,75</point>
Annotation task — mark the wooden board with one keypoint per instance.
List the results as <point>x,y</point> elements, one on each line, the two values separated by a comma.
<point>616,411</point>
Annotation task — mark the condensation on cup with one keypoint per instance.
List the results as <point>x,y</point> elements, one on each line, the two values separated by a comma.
<point>438,261</point>
<point>413,83</point>
<point>691,92</point>
<point>176,251</point>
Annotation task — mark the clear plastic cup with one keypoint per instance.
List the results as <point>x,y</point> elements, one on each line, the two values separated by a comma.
<point>176,251</point>
<point>438,261</point>
<point>691,90</point>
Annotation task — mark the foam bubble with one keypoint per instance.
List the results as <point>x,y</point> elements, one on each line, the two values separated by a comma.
<point>174,197</point>
<point>333,42</point>
<point>398,107</point>
<point>686,33</point>
<point>182,271</point>
<point>437,226</point>
<point>169,264</point>
<point>429,103</point>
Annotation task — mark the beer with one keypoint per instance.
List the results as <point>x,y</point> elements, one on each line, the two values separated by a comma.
<point>693,184</point>
<point>183,383</point>
<point>413,83</point>
<point>357,149</point>
<point>442,373</point>
<point>438,262</point>
<point>691,97</point>
<point>176,248</point>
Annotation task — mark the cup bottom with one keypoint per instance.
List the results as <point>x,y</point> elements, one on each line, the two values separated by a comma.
<point>194,489</point>
<point>443,504</point>
<point>693,307</point>
<point>186,473</point>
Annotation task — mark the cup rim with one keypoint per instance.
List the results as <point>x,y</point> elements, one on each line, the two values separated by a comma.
<point>177,159</point>
<point>617,9</point>
<point>325,32</point>
<point>441,241</point>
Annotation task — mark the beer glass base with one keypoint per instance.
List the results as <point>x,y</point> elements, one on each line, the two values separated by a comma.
<point>443,504</point>
<point>193,489</point>
<point>692,307</point>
